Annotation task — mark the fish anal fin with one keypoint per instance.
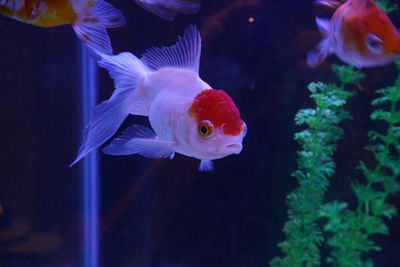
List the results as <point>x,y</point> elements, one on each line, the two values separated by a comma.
<point>206,166</point>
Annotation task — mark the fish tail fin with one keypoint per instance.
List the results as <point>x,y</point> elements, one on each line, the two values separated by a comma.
<point>167,9</point>
<point>324,48</point>
<point>91,24</point>
<point>127,72</point>
<point>318,55</point>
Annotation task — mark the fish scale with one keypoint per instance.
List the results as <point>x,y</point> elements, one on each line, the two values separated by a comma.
<point>58,12</point>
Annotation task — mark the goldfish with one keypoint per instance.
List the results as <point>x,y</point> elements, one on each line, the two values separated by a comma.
<point>186,115</point>
<point>89,18</point>
<point>167,9</point>
<point>359,33</point>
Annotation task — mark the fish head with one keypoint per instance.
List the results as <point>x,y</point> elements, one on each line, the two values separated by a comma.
<point>374,36</point>
<point>382,37</point>
<point>216,129</point>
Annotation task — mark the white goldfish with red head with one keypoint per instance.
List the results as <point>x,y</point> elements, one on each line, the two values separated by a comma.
<point>359,33</point>
<point>186,115</point>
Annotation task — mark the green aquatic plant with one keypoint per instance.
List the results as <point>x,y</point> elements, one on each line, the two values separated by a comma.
<point>386,6</point>
<point>351,229</point>
<point>315,165</point>
<point>348,232</point>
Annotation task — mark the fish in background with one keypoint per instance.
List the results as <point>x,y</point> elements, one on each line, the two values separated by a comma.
<point>186,115</point>
<point>168,9</point>
<point>359,33</point>
<point>89,18</point>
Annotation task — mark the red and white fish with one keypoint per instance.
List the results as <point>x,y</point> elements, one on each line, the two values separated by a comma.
<point>359,33</point>
<point>187,116</point>
<point>89,18</point>
<point>167,9</point>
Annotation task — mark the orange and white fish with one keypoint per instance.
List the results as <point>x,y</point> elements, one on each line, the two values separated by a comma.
<point>89,18</point>
<point>359,33</point>
<point>186,116</point>
<point>167,9</point>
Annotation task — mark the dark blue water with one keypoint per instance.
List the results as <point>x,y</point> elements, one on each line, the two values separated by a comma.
<point>164,213</point>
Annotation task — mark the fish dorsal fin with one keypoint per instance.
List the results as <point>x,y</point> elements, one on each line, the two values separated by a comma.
<point>184,54</point>
<point>333,4</point>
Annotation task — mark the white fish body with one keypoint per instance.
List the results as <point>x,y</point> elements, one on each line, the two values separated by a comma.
<point>163,86</point>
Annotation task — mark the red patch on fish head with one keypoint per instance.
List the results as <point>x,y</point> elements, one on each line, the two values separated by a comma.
<point>217,107</point>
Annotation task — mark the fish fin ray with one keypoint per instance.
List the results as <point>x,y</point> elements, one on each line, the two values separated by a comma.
<point>168,9</point>
<point>323,26</point>
<point>184,54</point>
<point>138,139</point>
<point>206,165</point>
<point>126,70</point>
<point>333,4</point>
<point>90,26</point>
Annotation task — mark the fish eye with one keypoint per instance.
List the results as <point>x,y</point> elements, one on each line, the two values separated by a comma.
<point>205,128</point>
<point>374,43</point>
<point>244,129</point>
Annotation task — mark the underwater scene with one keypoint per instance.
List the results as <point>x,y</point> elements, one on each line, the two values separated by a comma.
<point>198,133</point>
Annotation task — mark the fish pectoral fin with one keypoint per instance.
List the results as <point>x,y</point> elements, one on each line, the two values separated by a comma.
<point>140,140</point>
<point>206,165</point>
<point>184,54</point>
<point>168,9</point>
<point>90,26</point>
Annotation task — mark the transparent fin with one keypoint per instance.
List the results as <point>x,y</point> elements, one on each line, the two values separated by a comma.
<point>206,165</point>
<point>106,118</point>
<point>184,54</point>
<point>167,9</point>
<point>323,26</point>
<point>90,26</point>
<point>323,49</point>
<point>319,54</point>
<point>141,140</point>
<point>333,4</point>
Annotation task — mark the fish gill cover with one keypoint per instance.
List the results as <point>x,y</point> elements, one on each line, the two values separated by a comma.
<point>345,231</point>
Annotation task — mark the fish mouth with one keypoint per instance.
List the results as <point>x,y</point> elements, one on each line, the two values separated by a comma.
<point>233,148</point>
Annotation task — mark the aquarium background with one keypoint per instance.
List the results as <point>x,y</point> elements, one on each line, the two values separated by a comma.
<point>163,212</point>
